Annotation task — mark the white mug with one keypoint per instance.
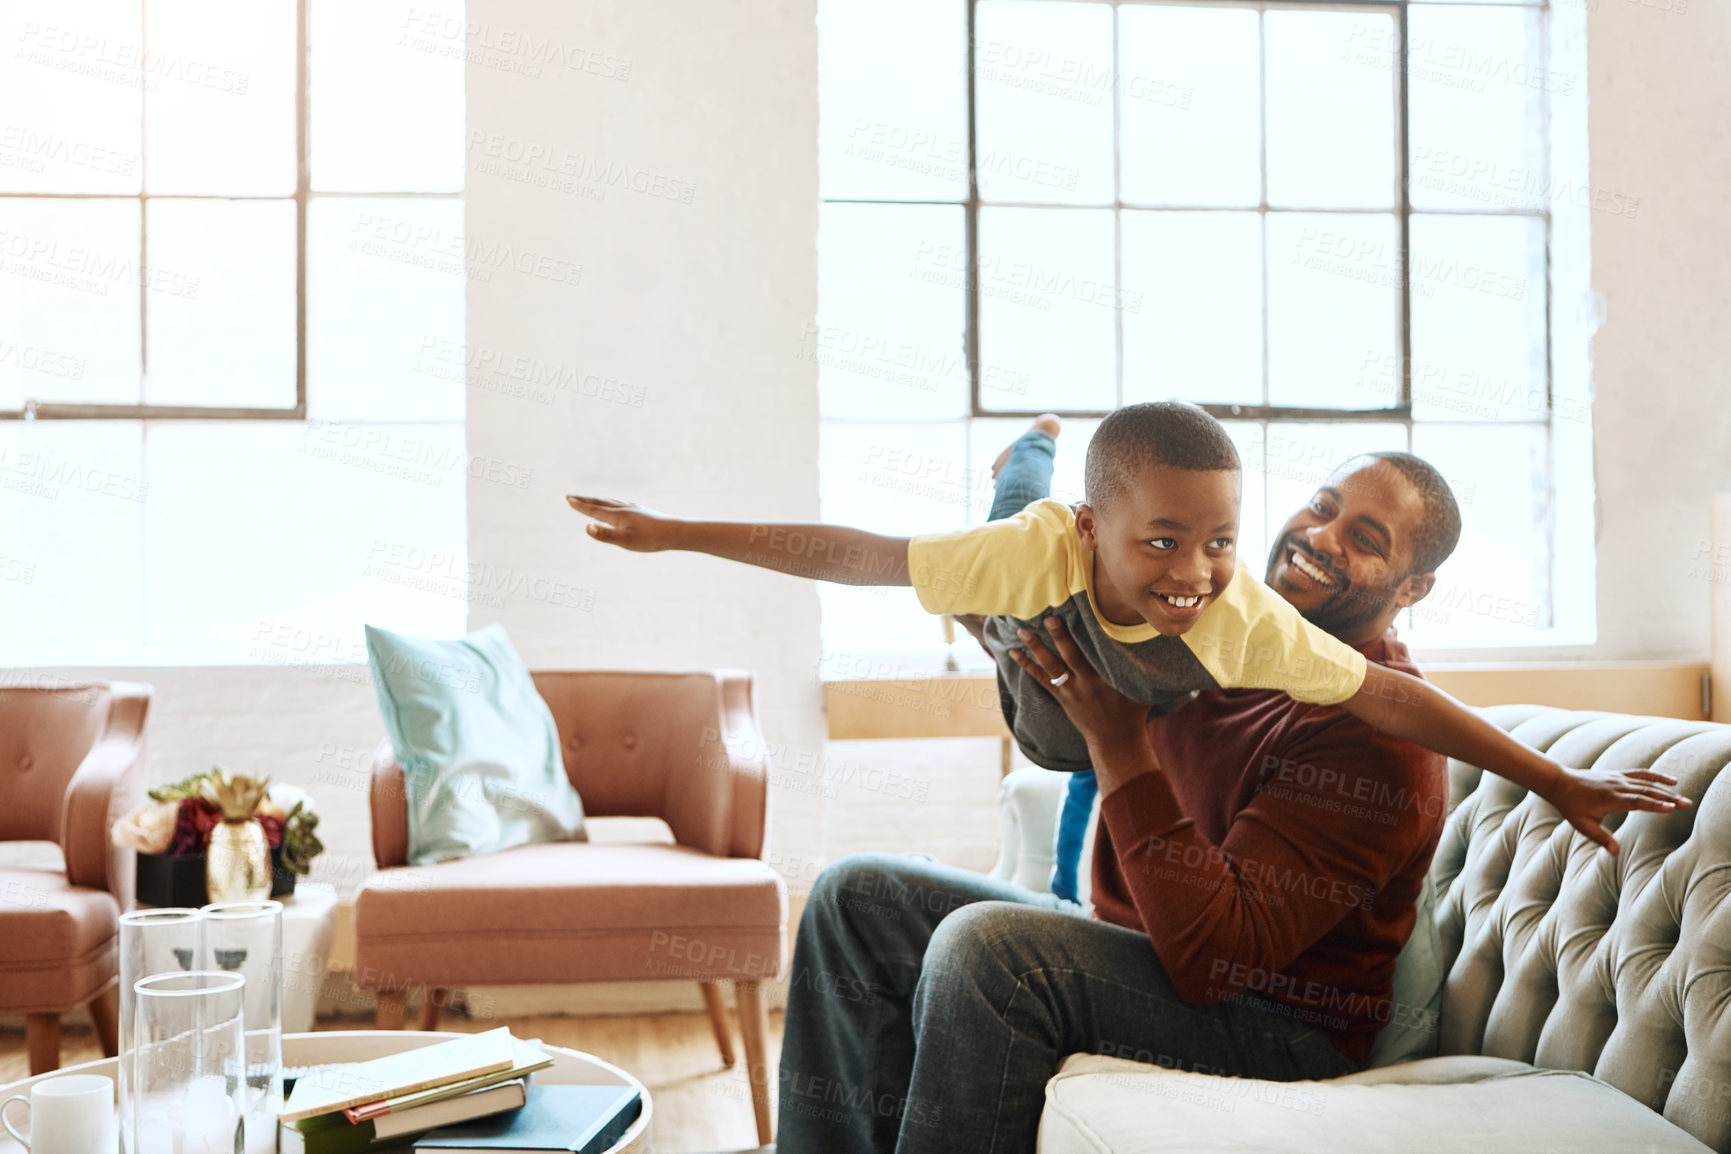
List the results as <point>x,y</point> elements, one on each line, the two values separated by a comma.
<point>72,1114</point>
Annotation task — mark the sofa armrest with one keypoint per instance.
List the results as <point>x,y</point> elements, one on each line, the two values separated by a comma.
<point>1029,800</point>
<point>719,798</point>
<point>388,800</point>
<point>109,783</point>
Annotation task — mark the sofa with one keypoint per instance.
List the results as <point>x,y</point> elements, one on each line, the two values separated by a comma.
<point>699,904</point>
<point>72,763</point>
<point>1585,1002</point>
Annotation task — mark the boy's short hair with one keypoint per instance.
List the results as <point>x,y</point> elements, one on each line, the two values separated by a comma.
<point>1440,531</point>
<point>1170,433</point>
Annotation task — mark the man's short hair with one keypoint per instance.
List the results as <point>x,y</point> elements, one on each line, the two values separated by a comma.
<point>1440,531</point>
<point>1168,433</point>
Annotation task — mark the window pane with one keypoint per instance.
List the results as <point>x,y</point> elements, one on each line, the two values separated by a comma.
<point>232,342</point>
<point>1188,106</point>
<point>384,283</point>
<point>387,96</point>
<point>989,436</point>
<point>1046,301</point>
<point>1253,530</point>
<point>897,479</point>
<point>1333,310</point>
<point>359,503</point>
<point>1330,114</point>
<point>1478,84</point>
<point>71,538</point>
<point>1494,589</point>
<point>1197,334</point>
<point>891,282</point>
<point>220,97</point>
<point>1296,458</point>
<point>71,90</point>
<point>1478,318</point>
<point>69,284</point>
<point>893,99</point>
<point>1043,101</point>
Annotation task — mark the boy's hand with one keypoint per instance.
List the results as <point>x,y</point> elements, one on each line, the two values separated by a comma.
<point>1586,796</point>
<point>626,525</point>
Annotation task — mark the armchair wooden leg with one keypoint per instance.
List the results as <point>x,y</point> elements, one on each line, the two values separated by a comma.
<point>42,1039</point>
<point>105,1016</point>
<point>718,1020</point>
<point>430,1003</point>
<point>753,1030</point>
<point>393,1009</point>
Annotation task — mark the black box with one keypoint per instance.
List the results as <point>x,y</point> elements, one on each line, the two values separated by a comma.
<point>178,879</point>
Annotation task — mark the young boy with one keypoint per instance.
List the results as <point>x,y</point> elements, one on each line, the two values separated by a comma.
<point>1145,578</point>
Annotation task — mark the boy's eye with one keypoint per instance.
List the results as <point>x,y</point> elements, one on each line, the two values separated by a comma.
<point>1164,543</point>
<point>1221,543</point>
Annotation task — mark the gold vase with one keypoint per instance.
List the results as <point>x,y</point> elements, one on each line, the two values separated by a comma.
<point>237,862</point>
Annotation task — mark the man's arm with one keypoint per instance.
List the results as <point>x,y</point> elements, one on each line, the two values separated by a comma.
<point>1399,704</point>
<point>1287,871</point>
<point>821,552</point>
<point>1291,867</point>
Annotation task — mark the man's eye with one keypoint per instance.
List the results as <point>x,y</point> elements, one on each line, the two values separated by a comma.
<point>1368,543</point>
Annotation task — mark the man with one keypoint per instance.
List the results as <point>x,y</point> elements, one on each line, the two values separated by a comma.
<point>1257,868</point>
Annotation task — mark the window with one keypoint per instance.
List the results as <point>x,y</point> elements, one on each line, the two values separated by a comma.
<point>232,272</point>
<point>1340,227</point>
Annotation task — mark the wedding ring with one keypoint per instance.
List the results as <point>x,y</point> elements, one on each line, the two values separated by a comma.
<point>1061,678</point>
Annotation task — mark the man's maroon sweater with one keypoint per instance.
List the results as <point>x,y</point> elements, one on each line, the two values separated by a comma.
<point>1280,850</point>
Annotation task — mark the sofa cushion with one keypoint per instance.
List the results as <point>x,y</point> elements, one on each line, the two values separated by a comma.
<point>1461,1105</point>
<point>571,912</point>
<point>57,941</point>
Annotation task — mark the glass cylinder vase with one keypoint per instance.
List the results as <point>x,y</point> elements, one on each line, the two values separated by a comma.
<point>237,862</point>
<point>164,941</point>
<point>189,1065</point>
<point>246,938</point>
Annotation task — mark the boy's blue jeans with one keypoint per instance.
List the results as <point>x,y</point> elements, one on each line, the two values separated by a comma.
<point>1027,477</point>
<point>928,1005</point>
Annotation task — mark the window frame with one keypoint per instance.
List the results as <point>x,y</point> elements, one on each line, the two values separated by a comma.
<point>1401,413</point>
<point>33,410</point>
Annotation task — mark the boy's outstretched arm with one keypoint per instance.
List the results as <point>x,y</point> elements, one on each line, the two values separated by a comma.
<point>1407,707</point>
<point>821,552</point>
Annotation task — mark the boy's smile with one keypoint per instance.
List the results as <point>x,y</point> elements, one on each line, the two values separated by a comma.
<point>1164,548</point>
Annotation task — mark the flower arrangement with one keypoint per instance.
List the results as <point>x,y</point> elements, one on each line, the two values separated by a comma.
<point>181,816</point>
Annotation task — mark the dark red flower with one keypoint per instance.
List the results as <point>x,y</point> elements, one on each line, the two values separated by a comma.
<point>272,828</point>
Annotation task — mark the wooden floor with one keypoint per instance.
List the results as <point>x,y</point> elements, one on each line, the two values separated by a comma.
<point>698,1105</point>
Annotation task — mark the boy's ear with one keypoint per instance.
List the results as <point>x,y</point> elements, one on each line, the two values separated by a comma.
<point>1087,526</point>
<point>1414,589</point>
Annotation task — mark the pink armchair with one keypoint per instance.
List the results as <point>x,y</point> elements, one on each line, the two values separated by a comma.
<point>684,747</point>
<point>72,763</point>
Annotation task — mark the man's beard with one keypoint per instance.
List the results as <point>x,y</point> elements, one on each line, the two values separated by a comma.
<point>1347,609</point>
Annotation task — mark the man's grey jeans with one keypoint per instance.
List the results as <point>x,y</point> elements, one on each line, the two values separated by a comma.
<point>929,1006</point>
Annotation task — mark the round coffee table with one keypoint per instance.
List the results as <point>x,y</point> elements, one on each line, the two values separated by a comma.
<point>569,1068</point>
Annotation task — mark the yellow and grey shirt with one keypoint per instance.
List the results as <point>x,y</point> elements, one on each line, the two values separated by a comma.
<point>1024,568</point>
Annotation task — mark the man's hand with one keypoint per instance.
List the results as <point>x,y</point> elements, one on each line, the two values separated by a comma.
<point>1587,796</point>
<point>626,525</point>
<point>1115,726</point>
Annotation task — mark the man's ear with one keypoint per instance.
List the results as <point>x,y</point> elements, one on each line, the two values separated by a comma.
<point>1414,589</point>
<point>1087,526</point>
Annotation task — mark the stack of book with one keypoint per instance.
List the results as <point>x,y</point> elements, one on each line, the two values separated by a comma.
<point>444,1091</point>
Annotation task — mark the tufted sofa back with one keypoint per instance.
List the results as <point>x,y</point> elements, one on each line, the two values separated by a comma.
<point>1561,955</point>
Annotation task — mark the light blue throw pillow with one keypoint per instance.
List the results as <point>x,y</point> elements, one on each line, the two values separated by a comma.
<point>478,747</point>
<point>1411,1031</point>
